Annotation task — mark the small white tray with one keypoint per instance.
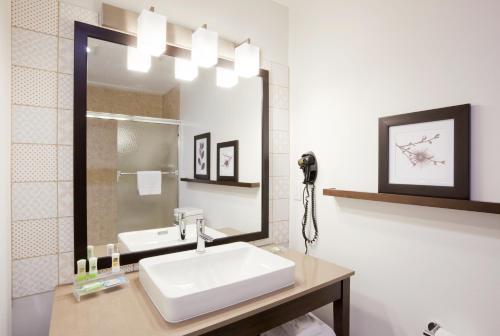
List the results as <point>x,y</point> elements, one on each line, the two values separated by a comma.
<point>102,282</point>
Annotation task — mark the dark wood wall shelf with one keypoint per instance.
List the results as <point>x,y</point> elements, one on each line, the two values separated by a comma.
<point>434,202</point>
<point>224,183</point>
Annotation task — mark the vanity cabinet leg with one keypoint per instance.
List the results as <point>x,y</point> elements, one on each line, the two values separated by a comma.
<point>341,310</point>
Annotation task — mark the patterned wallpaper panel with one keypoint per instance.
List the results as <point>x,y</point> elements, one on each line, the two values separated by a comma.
<point>42,145</point>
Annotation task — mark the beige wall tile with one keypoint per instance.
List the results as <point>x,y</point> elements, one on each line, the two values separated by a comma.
<point>65,127</point>
<point>66,268</point>
<point>66,239</point>
<point>34,125</point>
<point>65,199</point>
<point>34,87</point>
<point>66,55</point>
<point>68,14</point>
<point>34,275</point>
<point>278,97</point>
<point>35,50</point>
<point>65,163</point>
<point>65,91</point>
<point>34,200</point>
<point>34,238</point>
<point>279,74</point>
<point>39,15</point>
<point>34,163</point>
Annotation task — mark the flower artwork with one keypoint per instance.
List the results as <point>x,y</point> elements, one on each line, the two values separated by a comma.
<point>202,163</point>
<point>202,156</point>
<point>419,155</point>
<point>227,161</point>
<point>426,153</point>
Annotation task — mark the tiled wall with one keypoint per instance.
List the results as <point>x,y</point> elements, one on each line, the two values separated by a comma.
<point>42,153</point>
<point>42,138</point>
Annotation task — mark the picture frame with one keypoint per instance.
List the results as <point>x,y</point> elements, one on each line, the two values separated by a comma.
<point>228,161</point>
<point>201,156</point>
<point>426,153</point>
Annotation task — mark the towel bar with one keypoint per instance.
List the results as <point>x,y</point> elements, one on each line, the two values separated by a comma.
<point>120,173</point>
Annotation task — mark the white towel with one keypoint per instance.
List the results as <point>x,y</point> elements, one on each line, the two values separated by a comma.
<point>149,182</point>
<point>307,325</point>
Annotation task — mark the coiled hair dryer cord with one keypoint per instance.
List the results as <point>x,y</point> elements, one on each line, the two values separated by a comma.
<point>306,198</point>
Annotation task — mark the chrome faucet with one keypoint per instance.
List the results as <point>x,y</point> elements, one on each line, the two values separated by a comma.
<point>181,224</point>
<point>201,236</point>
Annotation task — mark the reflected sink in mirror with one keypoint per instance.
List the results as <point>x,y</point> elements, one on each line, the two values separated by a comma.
<point>188,284</point>
<point>143,240</point>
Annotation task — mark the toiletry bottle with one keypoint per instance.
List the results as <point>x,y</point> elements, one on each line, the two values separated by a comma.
<point>110,249</point>
<point>93,267</point>
<point>90,251</point>
<point>81,270</point>
<point>115,262</point>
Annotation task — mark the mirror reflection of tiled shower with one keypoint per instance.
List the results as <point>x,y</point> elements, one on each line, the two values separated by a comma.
<point>146,147</point>
<point>113,201</point>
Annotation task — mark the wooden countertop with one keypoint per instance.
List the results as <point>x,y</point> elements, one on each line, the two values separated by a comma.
<point>128,310</point>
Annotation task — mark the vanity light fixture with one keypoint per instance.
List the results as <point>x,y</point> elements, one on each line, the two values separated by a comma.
<point>185,69</point>
<point>205,44</point>
<point>247,59</point>
<point>151,32</point>
<point>137,60</point>
<point>226,78</point>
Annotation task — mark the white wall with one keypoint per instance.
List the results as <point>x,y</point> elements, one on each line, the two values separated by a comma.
<point>352,62</point>
<point>5,270</point>
<point>228,114</point>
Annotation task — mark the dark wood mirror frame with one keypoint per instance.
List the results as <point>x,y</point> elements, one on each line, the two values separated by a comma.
<point>82,33</point>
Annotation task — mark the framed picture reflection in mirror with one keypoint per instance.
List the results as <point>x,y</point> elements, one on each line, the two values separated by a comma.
<point>227,161</point>
<point>202,156</point>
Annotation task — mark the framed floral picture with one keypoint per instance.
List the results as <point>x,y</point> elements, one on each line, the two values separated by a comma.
<point>227,161</point>
<point>426,153</point>
<point>202,156</point>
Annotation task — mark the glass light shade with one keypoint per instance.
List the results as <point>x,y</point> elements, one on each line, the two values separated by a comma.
<point>137,60</point>
<point>185,70</point>
<point>205,44</point>
<point>151,33</point>
<point>226,78</point>
<point>247,60</point>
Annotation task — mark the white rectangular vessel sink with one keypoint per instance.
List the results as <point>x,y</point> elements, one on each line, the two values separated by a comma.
<point>187,284</point>
<point>135,241</point>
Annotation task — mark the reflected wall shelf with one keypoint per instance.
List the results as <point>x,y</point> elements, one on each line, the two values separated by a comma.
<point>224,183</point>
<point>434,202</point>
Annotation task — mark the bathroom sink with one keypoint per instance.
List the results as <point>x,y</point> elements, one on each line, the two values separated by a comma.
<point>187,284</point>
<point>157,238</point>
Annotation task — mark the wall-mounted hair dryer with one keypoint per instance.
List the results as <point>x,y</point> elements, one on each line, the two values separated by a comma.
<point>307,163</point>
<point>309,166</point>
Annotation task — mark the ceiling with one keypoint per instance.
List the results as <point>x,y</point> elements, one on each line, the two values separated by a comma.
<point>107,66</point>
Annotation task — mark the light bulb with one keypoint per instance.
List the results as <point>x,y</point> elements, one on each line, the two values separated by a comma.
<point>185,70</point>
<point>205,45</point>
<point>226,78</point>
<point>137,60</point>
<point>151,33</point>
<point>247,60</point>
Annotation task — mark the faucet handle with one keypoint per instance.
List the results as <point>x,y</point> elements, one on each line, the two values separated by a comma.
<point>200,225</point>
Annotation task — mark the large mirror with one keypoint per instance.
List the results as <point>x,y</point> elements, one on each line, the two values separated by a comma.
<point>154,154</point>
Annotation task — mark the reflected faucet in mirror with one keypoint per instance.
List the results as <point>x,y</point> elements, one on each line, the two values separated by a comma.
<point>181,224</point>
<point>181,219</point>
<point>201,236</point>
